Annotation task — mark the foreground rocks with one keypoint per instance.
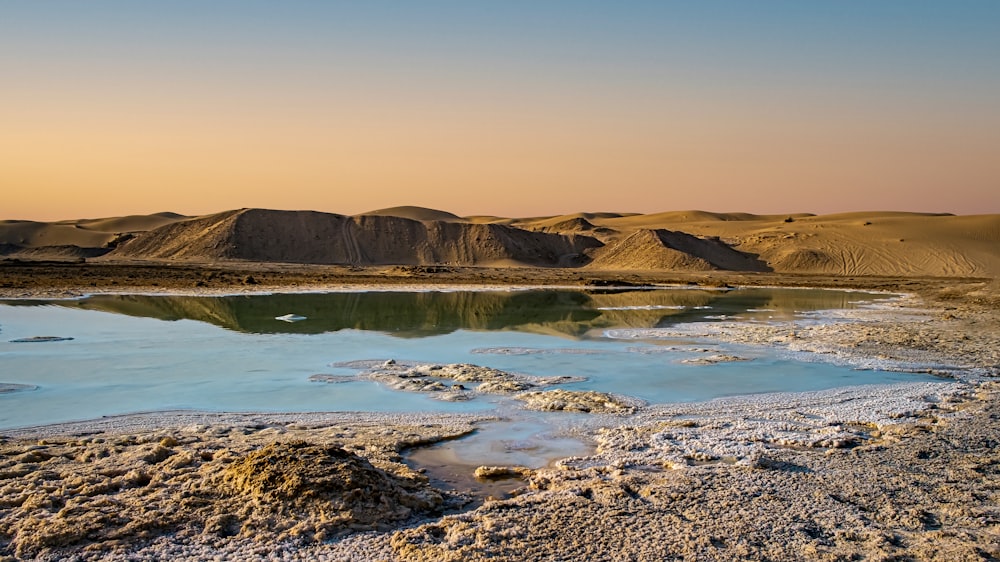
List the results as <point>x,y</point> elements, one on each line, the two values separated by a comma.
<point>100,493</point>
<point>326,489</point>
<point>487,380</point>
<point>589,401</point>
<point>926,491</point>
<point>464,381</point>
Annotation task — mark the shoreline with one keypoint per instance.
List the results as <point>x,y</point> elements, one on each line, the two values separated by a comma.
<point>42,279</point>
<point>802,451</point>
<point>159,420</point>
<point>424,288</point>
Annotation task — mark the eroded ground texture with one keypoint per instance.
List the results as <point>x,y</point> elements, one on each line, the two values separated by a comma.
<point>889,473</point>
<point>925,489</point>
<point>303,479</point>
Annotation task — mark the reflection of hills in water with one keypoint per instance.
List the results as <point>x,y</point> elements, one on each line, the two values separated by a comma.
<point>556,312</point>
<point>400,314</point>
<point>764,304</point>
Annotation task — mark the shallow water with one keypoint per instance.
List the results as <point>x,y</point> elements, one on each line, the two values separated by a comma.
<point>147,353</point>
<point>532,439</point>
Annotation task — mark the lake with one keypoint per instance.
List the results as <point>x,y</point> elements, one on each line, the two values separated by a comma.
<point>135,353</point>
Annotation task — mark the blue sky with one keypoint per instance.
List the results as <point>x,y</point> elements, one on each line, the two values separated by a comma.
<point>772,106</point>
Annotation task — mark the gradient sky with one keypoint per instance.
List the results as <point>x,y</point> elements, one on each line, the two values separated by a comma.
<point>514,108</point>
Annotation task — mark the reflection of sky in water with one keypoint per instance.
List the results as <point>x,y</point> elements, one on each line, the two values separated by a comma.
<point>231,354</point>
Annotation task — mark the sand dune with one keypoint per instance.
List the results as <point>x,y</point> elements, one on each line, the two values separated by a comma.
<point>848,244</point>
<point>65,252</point>
<point>486,219</point>
<point>30,234</point>
<point>363,240</point>
<point>415,213</point>
<point>644,250</point>
<point>131,223</point>
<point>879,244</point>
<point>661,220</point>
<point>79,238</point>
<point>572,225</point>
<point>665,249</point>
<point>868,243</point>
<point>571,221</point>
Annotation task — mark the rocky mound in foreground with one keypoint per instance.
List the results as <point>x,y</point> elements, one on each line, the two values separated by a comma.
<point>364,240</point>
<point>328,490</point>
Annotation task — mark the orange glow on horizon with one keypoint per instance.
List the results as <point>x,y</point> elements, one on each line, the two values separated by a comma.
<point>347,108</point>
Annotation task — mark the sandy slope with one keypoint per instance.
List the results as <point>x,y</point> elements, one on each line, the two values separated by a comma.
<point>363,240</point>
<point>416,213</point>
<point>74,238</point>
<point>847,244</point>
<point>872,243</point>
<point>673,250</point>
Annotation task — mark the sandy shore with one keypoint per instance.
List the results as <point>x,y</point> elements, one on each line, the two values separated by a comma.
<point>900,472</point>
<point>40,279</point>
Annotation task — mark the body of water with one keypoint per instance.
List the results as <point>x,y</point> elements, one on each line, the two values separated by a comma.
<point>132,353</point>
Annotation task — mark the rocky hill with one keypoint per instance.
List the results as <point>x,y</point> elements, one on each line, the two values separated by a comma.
<point>363,240</point>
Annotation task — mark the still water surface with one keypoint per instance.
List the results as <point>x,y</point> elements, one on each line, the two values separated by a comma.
<point>134,353</point>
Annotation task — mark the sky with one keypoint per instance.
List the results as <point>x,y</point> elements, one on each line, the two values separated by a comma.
<point>510,108</point>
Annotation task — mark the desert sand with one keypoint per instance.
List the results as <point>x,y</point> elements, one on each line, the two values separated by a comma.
<point>852,244</point>
<point>903,472</point>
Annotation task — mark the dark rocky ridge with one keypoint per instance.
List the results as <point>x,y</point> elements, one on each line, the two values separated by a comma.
<point>324,238</point>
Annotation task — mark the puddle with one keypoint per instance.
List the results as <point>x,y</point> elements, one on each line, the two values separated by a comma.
<point>528,442</point>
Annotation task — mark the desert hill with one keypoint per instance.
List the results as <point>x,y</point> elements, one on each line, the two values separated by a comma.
<point>31,234</point>
<point>74,238</point>
<point>849,244</point>
<point>131,223</point>
<point>362,240</point>
<point>416,213</point>
<point>672,250</point>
